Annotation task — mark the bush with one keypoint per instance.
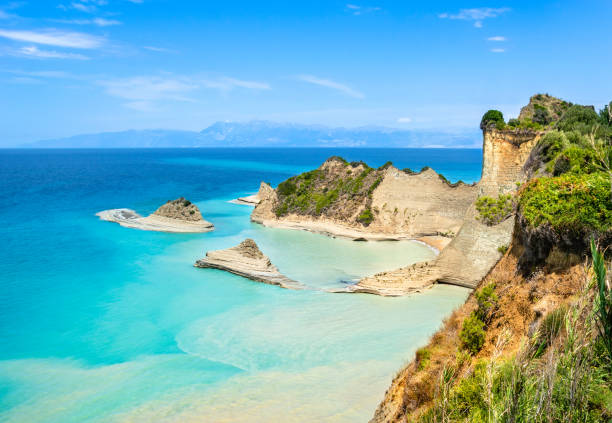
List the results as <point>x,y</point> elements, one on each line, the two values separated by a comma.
<point>502,249</point>
<point>366,217</point>
<point>492,117</point>
<point>578,118</point>
<point>472,334</point>
<point>541,115</point>
<point>422,357</point>
<point>569,203</point>
<point>487,302</point>
<point>286,188</point>
<point>492,211</point>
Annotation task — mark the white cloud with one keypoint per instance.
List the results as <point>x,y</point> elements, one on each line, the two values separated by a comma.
<point>497,38</point>
<point>404,120</point>
<point>231,83</point>
<point>54,37</point>
<point>33,51</point>
<point>96,21</point>
<point>498,50</point>
<point>83,7</point>
<point>144,92</point>
<point>158,49</point>
<point>477,14</point>
<point>331,84</point>
<point>150,88</point>
<point>360,10</point>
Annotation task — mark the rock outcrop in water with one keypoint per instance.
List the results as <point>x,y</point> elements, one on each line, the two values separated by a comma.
<point>178,215</point>
<point>247,260</point>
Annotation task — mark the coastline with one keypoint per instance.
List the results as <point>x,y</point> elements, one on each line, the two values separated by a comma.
<point>336,230</point>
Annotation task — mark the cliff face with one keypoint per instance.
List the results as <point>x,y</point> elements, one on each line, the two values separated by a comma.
<point>357,201</point>
<point>474,251</point>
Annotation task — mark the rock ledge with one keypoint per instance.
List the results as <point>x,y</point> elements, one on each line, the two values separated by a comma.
<point>247,260</point>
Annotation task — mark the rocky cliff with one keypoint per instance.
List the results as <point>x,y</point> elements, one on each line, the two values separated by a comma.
<point>360,202</point>
<point>525,345</point>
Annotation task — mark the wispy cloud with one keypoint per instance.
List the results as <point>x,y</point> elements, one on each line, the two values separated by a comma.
<point>226,83</point>
<point>345,89</point>
<point>35,52</point>
<point>498,50</point>
<point>477,14</point>
<point>497,38</point>
<point>96,21</point>
<point>360,10</point>
<point>158,49</point>
<point>404,120</point>
<point>145,92</point>
<point>54,37</point>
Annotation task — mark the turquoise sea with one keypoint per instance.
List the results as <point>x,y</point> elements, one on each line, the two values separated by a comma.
<point>100,323</point>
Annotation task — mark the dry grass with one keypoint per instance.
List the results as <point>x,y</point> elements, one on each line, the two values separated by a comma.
<point>522,302</point>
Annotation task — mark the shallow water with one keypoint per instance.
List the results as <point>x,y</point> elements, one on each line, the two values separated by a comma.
<point>102,323</point>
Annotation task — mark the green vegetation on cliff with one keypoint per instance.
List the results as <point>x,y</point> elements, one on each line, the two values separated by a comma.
<point>569,203</point>
<point>563,373</point>
<point>573,193</point>
<point>338,184</point>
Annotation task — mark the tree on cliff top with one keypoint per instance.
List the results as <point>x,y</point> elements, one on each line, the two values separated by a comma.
<point>492,117</point>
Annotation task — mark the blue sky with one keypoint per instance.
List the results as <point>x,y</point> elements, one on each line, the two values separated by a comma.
<point>81,66</point>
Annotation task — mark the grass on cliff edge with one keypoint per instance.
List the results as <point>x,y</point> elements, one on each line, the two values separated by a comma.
<point>561,373</point>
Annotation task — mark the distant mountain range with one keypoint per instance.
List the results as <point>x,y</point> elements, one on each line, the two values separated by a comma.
<point>266,134</point>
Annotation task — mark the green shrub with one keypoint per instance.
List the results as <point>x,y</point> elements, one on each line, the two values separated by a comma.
<point>578,118</point>
<point>574,203</point>
<point>605,115</point>
<point>422,357</point>
<point>604,299</point>
<point>374,185</point>
<point>492,211</point>
<point>487,302</point>
<point>286,188</point>
<point>366,217</point>
<point>576,160</point>
<point>541,115</point>
<point>494,117</point>
<point>502,248</point>
<point>472,334</point>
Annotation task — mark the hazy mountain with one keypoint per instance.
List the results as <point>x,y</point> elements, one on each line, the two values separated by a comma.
<point>267,134</point>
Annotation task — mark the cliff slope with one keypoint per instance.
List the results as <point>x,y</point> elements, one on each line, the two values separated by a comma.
<point>356,201</point>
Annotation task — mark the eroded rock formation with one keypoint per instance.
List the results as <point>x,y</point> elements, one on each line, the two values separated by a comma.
<point>247,260</point>
<point>178,215</point>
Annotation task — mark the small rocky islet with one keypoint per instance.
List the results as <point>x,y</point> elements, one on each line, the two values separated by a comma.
<point>180,215</point>
<point>247,260</point>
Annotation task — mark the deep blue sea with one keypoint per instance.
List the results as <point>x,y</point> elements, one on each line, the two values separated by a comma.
<point>100,323</point>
